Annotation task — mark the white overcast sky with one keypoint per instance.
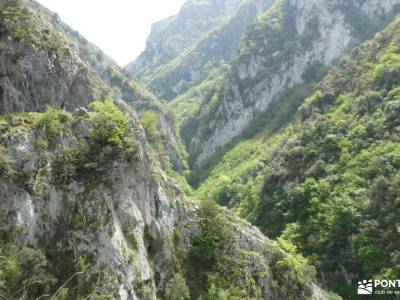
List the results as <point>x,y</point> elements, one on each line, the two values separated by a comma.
<point>118,27</point>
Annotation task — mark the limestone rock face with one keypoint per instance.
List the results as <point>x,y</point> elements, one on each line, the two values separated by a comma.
<point>63,66</point>
<point>37,67</point>
<point>171,36</point>
<point>45,62</point>
<point>94,217</point>
<point>288,41</point>
<point>122,217</point>
<point>182,50</point>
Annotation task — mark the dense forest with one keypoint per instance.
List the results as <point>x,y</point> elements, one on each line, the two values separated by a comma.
<point>330,181</point>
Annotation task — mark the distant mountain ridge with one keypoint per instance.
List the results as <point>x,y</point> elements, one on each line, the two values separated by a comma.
<point>183,49</point>
<point>289,45</point>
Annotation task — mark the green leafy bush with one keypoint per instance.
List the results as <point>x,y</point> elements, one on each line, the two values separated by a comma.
<point>49,123</point>
<point>295,264</point>
<point>23,272</point>
<point>110,124</point>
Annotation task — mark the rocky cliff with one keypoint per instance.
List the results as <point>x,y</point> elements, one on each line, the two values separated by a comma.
<point>172,36</point>
<point>38,66</point>
<point>289,43</point>
<point>100,65</point>
<point>182,51</point>
<point>92,213</point>
<point>45,62</point>
<point>87,210</point>
<point>35,41</point>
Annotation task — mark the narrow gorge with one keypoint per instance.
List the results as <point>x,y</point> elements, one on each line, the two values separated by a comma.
<point>252,151</point>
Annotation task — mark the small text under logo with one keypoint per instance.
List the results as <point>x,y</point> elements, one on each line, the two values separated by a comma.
<point>379,287</point>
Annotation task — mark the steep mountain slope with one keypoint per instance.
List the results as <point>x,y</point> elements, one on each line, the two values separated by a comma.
<point>170,37</point>
<point>329,183</point>
<point>84,206</point>
<point>86,210</point>
<point>290,42</point>
<point>30,46</point>
<point>34,38</point>
<point>101,65</point>
<point>183,50</point>
<point>45,62</point>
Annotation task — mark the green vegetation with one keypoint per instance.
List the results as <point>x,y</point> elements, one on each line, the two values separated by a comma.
<point>187,105</point>
<point>244,157</point>
<point>23,272</point>
<point>176,289</point>
<point>344,159</point>
<point>217,269</point>
<point>18,20</point>
<point>94,142</point>
<point>295,263</point>
<point>23,25</point>
<point>363,26</point>
<point>122,87</point>
<point>49,123</point>
<point>329,182</point>
<point>111,136</point>
<point>27,273</point>
<point>110,125</point>
<point>132,238</point>
<point>7,164</point>
<point>150,121</point>
<point>164,146</point>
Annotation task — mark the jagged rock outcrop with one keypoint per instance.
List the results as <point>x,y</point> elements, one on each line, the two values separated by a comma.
<point>37,66</point>
<point>97,215</point>
<point>112,215</point>
<point>289,43</point>
<point>182,50</point>
<point>63,65</point>
<point>102,66</point>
